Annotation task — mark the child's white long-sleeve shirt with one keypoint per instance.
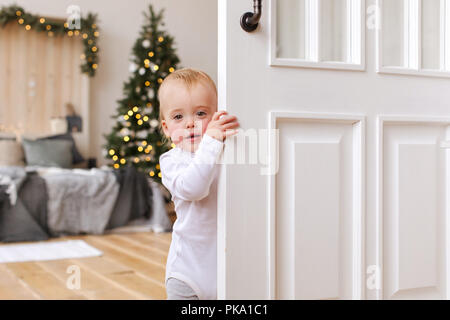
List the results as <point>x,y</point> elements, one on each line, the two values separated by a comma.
<point>191,178</point>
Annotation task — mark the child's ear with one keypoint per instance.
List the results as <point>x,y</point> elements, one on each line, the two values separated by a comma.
<point>164,127</point>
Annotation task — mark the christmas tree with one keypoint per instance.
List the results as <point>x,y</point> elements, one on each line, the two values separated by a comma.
<point>136,138</point>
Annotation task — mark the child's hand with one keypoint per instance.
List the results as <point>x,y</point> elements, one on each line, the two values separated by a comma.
<point>222,125</point>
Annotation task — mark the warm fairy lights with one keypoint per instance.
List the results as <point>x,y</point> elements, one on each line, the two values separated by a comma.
<point>136,137</point>
<point>89,63</point>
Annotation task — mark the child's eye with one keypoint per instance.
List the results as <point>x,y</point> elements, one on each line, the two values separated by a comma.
<point>178,117</point>
<point>201,113</point>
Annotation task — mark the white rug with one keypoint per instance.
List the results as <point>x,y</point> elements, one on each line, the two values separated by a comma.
<point>43,251</point>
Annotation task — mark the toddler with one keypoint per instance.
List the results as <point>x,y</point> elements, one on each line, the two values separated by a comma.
<point>189,117</point>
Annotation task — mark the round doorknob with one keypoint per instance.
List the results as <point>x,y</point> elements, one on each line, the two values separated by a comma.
<point>250,20</point>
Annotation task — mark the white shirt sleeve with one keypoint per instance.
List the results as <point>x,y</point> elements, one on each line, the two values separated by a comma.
<point>193,182</point>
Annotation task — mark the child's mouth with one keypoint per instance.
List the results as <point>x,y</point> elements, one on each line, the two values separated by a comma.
<point>192,137</point>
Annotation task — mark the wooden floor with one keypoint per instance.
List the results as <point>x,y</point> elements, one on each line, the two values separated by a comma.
<point>132,267</point>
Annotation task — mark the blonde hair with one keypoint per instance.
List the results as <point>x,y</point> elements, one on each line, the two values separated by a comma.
<point>190,77</point>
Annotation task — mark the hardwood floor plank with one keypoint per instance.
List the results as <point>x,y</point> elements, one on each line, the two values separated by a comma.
<point>165,237</point>
<point>13,288</point>
<point>131,267</point>
<point>148,240</point>
<point>127,278</point>
<point>43,282</point>
<point>138,248</point>
<point>93,285</point>
<point>149,268</point>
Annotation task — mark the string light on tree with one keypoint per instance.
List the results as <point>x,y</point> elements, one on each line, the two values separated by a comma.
<point>146,43</point>
<point>153,58</point>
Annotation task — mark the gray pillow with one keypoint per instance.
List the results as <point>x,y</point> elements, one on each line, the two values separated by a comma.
<point>76,156</point>
<point>48,153</point>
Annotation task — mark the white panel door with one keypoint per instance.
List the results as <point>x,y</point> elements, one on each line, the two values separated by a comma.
<point>350,198</point>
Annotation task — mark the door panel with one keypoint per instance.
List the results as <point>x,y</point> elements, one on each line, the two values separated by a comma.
<point>318,226</point>
<point>415,186</point>
<point>358,206</point>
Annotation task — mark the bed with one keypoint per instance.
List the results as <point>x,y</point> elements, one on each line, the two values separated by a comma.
<point>45,192</point>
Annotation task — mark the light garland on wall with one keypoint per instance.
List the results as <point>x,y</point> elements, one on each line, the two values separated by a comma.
<point>88,32</point>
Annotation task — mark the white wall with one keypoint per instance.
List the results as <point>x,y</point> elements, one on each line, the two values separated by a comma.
<point>193,23</point>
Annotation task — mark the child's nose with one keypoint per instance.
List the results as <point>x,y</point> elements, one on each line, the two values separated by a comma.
<point>190,123</point>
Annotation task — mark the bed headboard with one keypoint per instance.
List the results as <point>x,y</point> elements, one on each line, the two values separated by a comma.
<point>39,75</point>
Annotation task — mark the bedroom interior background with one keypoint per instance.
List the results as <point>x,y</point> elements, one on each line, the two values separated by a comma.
<point>44,71</point>
<point>44,83</point>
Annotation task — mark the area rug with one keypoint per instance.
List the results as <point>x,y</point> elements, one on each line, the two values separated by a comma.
<point>44,251</point>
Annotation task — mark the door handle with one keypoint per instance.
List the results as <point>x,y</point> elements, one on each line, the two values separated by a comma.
<point>250,20</point>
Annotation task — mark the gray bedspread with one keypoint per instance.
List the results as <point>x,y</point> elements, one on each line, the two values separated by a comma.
<point>56,203</point>
<point>79,201</point>
<point>26,220</point>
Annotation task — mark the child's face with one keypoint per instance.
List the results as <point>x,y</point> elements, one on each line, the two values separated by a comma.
<point>187,112</point>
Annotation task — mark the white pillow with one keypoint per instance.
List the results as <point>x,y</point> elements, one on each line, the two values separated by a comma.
<point>11,153</point>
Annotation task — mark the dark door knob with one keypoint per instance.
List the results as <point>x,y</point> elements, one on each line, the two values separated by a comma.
<point>250,20</point>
